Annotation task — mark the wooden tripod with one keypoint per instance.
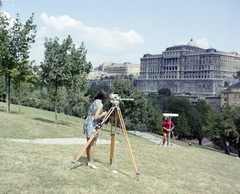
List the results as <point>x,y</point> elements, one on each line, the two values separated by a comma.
<point>118,115</point>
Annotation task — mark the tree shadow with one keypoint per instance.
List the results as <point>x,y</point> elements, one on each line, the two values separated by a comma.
<point>51,121</point>
<point>217,150</point>
<point>3,109</point>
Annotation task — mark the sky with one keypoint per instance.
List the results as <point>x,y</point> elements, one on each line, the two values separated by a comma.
<point>121,31</point>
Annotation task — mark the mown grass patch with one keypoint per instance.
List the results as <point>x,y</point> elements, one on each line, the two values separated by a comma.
<point>39,168</point>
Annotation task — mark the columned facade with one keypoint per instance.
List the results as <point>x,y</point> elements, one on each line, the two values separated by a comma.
<point>188,69</point>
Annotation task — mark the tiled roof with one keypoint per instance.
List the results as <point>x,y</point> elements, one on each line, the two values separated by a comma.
<point>236,85</point>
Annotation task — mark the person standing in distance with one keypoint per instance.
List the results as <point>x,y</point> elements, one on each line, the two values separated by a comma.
<point>95,113</point>
<point>167,126</point>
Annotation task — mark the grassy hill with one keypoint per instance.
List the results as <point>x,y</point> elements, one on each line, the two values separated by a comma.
<point>38,168</point>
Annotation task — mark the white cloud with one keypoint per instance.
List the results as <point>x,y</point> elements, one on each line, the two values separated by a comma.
<point>11,20</point>
<point>101,43</point>
<point>202,43</point>
<point>61,23</point>
<point>111,41</point>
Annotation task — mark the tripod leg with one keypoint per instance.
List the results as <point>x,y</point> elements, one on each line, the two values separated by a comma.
<point>91,138</point>
<point>160,142</point>
<point>82,151</point>
<point>168,139</point>
<point>174,138</point>
<point>169,133</point>
<point>128,143</point>
<point>112,142</point>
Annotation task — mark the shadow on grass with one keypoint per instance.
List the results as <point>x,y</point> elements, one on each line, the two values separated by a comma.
<point>51,121</point>
<point>215,150</point>
<point>107,165</point>
<point>3,109</point>
<point>80,162</point>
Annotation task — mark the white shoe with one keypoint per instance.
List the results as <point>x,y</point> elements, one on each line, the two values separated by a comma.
<point>91,166</point>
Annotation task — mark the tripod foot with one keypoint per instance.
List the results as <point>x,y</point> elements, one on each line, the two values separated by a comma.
<point>114,171</point>
<point>138,174</point>
<point>72,164</point>
<point>110,161</point>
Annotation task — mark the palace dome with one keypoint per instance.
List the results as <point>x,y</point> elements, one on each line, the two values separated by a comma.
<point>191,43</point>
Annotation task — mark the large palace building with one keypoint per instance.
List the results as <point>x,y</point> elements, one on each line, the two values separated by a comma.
<point>188,69</point>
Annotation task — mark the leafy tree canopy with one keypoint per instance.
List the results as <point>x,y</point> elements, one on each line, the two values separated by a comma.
<point>141,114</point>
<point>237,75</point>
<point>64,65</point>
<point>225,127</point>
<point>15,43</point>
<point>164,92</point>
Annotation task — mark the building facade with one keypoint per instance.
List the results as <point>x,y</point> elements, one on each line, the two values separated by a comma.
<point>188,69</point>
<point>126,68</point>
<point>105,73</point>
<point>231,96</point>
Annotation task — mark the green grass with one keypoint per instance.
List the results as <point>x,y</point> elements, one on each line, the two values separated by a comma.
<point>38,168</point>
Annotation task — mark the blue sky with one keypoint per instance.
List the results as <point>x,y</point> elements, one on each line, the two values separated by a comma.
<point>124,30</point>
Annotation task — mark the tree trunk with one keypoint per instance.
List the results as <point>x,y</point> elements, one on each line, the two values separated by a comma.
<point>226,148</point>
<point>200,141</point>
<point>55,106</point>
<point>7,79</point>
<point>19,96</point>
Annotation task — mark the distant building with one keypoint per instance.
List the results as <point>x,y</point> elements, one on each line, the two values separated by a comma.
<point>96,74</point>
<point>212,101</point>
<point>231,96</point>
<point>105,73</point>
<point>123,69</point>
<point>188,69</point>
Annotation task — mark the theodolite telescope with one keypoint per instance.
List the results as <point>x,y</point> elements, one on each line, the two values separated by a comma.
<point>114,99</point>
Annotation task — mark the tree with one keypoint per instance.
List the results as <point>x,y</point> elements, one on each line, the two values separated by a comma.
<point>64,65</point>
<point>22,74</point>
<point>2,88</point>
<point>203,108</point>
<point>76,103</point>
<point>141,114</point>
<point>15,44</point>
<point>194,119</point>
<point>174,104</point>
<point>237,76</point>
<point>132,111</point>
<point>224,129</point>
<point>154,118</point>
<point>92,91</point>
<point>181,106</point>
<point>236,119</point>
<point>182,128</point>
<point>164,92</point>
